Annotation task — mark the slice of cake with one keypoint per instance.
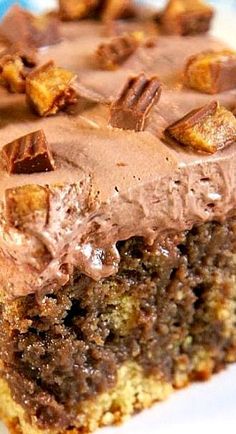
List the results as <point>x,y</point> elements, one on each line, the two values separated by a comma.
<point>118,212</point>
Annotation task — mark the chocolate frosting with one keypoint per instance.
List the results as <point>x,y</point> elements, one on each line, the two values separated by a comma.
<point>110,184</point>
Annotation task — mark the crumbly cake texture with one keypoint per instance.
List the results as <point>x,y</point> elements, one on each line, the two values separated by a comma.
<point>117,260</point>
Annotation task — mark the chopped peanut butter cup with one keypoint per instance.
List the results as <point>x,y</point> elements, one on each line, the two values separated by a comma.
<point>77,9</point>
<point>105,9</point>
<point>112,54</point>
<point>134,103</point>
<point>211,71</point>
<point>45,30</point>
<point>118,9</point>
<point>13,73</point>
<point>28,154</point>
<point>186,17</point>
<point>49,89</point>
<point>25,203</point>
<point>28,54</point>
<point>34,31</point>
<point>208,128</point>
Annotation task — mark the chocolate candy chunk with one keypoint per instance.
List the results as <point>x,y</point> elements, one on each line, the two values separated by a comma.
<point>14,66</point>
<point>28,54</point>
<point>186,17</point>
<point>111,54</point>
<point>32,31</point>
<point>13,73</point>
<point>77,9</point>
<point>45,30</point>
<point>107,10</point>
<point>15,23</point>
<point>49,89</point>
<point>118,9</point>
<point>28,154</point>
<point>211,71</point>
<point>26,204</point>
<point>208,128</point>
<point>132,107</point>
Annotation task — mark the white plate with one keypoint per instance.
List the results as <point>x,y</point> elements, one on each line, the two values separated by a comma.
<point>210,405</point>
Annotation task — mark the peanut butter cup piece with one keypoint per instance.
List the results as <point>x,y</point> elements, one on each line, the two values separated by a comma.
<point>49,89</point>
<point>186,17</point>
<point>15,26</point>
<point>25,204</point>
<point>45,30</point>
<point>211,71</point>
<point>13,73</point>
<point>28,54</point>
<point>118,9</point>
<point>28,154</point>
<point>33,31</point>
<point>77,9</point>
<point>135,102</point>
<point>110,55</point>
<point>208,128</point>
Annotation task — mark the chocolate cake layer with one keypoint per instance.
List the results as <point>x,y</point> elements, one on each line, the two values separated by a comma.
<point>113,184</point>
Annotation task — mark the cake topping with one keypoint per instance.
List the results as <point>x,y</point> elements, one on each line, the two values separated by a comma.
<point>45,30</point>
<point>134,103</point>
<point>186,17</point>
<point>211,71</point>
<point>77,9</point>
<point>28,154</point>
<point>27,54</point>
<point>105,9</point>
<point>208,128</point>
<point>49,89</point>
<point>25,203</point>
<point>118,9</point>
<point>91,149</point>
<point>34,31</point>
<point>111,54</point>
<point>13,73</point>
